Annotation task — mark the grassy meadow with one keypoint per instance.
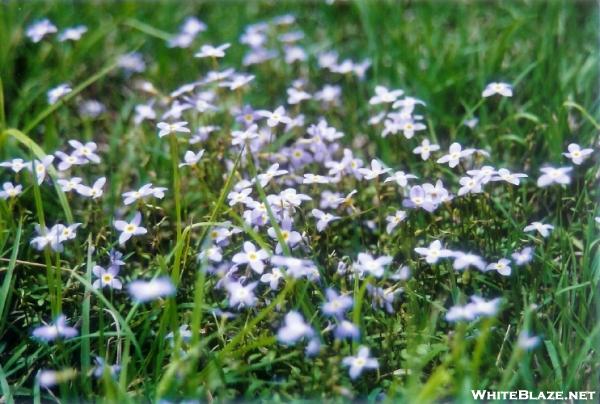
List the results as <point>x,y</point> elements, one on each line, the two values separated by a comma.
<point>418,220</point>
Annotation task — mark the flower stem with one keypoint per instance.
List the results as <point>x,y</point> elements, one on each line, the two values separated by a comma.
<point>176,184</point>
<point>39,207</point>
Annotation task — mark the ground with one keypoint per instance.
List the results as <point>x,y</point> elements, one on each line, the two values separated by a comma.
<point>200,314</point>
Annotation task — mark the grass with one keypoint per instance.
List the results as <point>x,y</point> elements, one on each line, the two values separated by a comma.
<point>442,52</point>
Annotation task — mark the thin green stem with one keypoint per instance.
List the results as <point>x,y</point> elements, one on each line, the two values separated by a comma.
<point>176,184</point>
<point>2,112</point>
<point>39,207</point>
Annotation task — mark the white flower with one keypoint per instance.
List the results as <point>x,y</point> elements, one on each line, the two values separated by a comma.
<point>315,179</point>
<point>240,137</point>
<point>144,112</point>
<point>272,278</point>
<point>375,171</point>
<point>543,229</point>
<point>158,192</point>
<point>346,329</point>
<point>95,191</point>
<point>418,198</point>
<point>41,168</point>
<point>502,266</point>
<point>471,123</point>
<point>236,197</point>
<point>297,268</point>
<point>212,52</point>
<point>106,277</point>
<point>523,257</point>
<point>40,29</point>
<point>527,341</point>
<point>16,165</point>
<point>146,190</point>
<point>87,151</point>
<point>400,177</point>
<point>294,54</point>
<point>394,220</point>
<point>145,291</point>
<point>58,329</point>
<point>469,185</point>
<point>58,92</point>
<point>178,108</point>
<point>296,96</point>
<point>454,155</point>
<point>553,175</point>
<point>336,304</point>
<point>190,158</point>
<point>360,362</point>
<point>402,274</point>
<point>483,175</point>
<point>323,219</point>
<point>241,296</point>
<point>65,233</point>
<point>290,197</point>
<point>482,307</point>
<point>72,34</point>
<point>53,237</point>
<point>294,328</point>
<point>466,260</point>
<point>384,96</point>
<point>425,149</point>
<point>374,266</point>
<point>10,191</point>
<point>68,160</point>
<point>192,26</point>
<point>237,81</point>
<point>409,128</point>
<point>459,313</point>
<point>329,94</point>
<point>434,252</point>
<point>330,199</point>
<point>212,253</point>
<point>132,62</point>
<point>271,173</point>
<point>276,117</point>
<point>129,229</point>
<point>251,256</point>
<point>503,89</point>
<point>477,308</point>
<point>577,154</point>
<point>168,128</point>
<point>132,196</point>
<point>289,236</point>
<point>408,103</point>
<point>504,175</point>
<point>437,194</point>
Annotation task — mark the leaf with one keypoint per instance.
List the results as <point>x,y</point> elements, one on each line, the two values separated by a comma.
<point>85,319</point>
<point>583,111</point>
<point>7,289</point>
<point>555,361</point>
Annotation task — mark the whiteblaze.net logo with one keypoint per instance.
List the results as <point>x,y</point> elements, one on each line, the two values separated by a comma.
<point>531,395</point>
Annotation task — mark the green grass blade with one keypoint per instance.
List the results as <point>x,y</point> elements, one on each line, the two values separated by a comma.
<point>7,283</point>
<point>85,321</point>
